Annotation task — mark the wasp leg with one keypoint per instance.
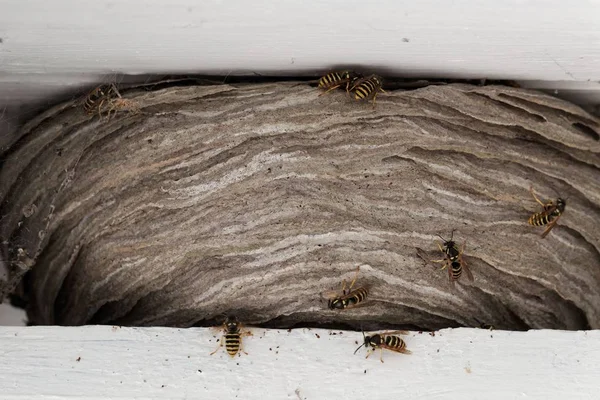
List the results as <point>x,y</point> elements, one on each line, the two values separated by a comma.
<point>536,198</point>
<point>355,277</point>
<point>115,90</point>
<point>330,89</point>
<point>219,346</point>
<point>369,353</point>
<point>405,351</point>
<point>381,354</point>
<point>441,248</point>
<point>241,349</point>
<point>348,87</point>
<point>443,259</point>
<point>374,97</point>
<point>446,264</point>
<point>244,333</point>
<point>344,287</point>
<point>100,108</point>
<point>112,109</point>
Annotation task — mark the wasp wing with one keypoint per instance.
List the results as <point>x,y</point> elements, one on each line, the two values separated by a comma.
<point>331,294</point>
<point>550,226</point>
<point>396,350</point>
<point>466,268</point>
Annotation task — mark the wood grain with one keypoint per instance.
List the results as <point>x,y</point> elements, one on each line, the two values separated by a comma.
<point>256,199</point>
<point>509,39</point>
<point>110,362</point>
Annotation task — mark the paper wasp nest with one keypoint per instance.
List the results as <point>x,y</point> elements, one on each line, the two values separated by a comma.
<point>255,199</point>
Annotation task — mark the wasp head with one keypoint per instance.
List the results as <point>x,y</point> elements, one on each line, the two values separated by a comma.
<point>561,204</point>
<point>336,304</point>
<point>231,324</point>
<point>449,244</point>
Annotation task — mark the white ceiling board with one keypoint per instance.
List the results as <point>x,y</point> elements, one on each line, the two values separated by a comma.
<point>512,39</point>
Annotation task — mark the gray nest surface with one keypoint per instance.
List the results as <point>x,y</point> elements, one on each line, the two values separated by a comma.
<point>257,199</point>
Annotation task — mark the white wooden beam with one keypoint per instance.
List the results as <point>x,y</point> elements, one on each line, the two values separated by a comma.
<point>509,39</point>
<point>103,362</point>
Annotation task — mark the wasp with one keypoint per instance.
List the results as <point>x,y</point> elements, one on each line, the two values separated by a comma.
<point>549,215</point>
<point>349,298</point>
<point>385,340</point>
<point>483,325</point>
<point>232,337</point>
<point>367,87</point>
<point>454,260</point>
<point>101,97</point>
<point>334,80</point>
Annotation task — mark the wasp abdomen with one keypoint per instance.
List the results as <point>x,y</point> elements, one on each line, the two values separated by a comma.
<point>232,343</point>
<point>456,269</point>
<point>395,342</point>
<point>331,79</point>
<point>359,295</point>
<point>364,90</point>
<point>540,219</point>
<point>367,88</point>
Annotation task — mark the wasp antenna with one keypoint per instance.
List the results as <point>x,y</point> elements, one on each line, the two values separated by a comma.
<point>364,341</point>
<point>358,348</point>
<point>452,234</point>
<point>442,238</point>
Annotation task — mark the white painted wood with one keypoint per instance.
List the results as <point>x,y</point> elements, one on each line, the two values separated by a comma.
<point>514,39</point>
<point>159,363</point>
<point>63,45</point>
<point>49,49</point>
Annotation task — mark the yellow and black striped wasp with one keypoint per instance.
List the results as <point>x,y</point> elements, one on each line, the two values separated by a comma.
<point>99,99</point>
<point>385,340</point>
<point>454,259</point>
<point>232,337</point>
<point>549,215</point>
<point>334,80</point>
<point>367,88</point>
<point>483,325</point>
<point>349,298</point>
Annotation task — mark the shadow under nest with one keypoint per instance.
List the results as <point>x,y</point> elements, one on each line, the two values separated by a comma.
<point>180,203</point>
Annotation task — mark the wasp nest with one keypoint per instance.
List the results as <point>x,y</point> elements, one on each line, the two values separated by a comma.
<point>256,199</point>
